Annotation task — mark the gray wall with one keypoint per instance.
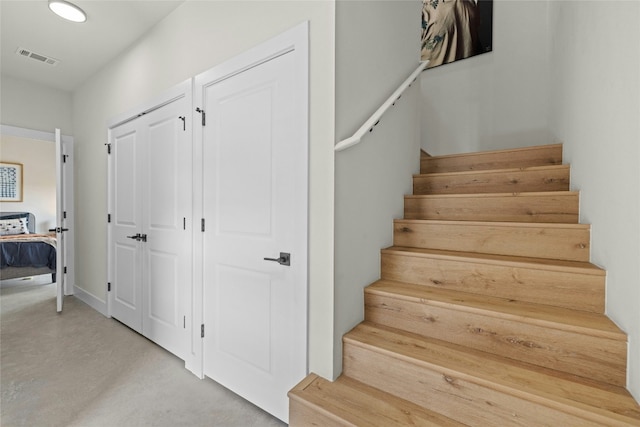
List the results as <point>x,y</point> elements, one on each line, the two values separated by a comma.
<point>595,112</point>
<point>33,106</point>
<point>377,47</point>
<point>498,99</point>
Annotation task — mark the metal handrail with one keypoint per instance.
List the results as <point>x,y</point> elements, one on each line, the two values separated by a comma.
<point>375,117</point>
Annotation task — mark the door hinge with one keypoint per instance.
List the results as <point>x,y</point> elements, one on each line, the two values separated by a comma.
<point>108,217</point>
<point>64,158</point>
<point>65,270</point>
<point>108,144</point>
<point>184,223</point>
<point>202,331</point>
<point>204,116</point>
<point>64,214</point>
<point>202,225</point>
<point>184,322</point>
<point>108,286</point>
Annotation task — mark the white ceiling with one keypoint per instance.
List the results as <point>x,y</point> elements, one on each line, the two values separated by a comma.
<point>82,49</point>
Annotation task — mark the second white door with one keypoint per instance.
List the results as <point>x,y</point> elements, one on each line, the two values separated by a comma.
<point>254,145</point>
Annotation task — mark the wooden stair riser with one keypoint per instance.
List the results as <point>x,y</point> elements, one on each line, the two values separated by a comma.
<point>538,179</point>
<point>594,357</point>
<point>553,207</point>
<point>501,159</point>
<point>532,283</point>
<point>456,396</point>
<point>551,241</point>
<point>347,402</point>
<point>301,414</point>
<point>604,403</point>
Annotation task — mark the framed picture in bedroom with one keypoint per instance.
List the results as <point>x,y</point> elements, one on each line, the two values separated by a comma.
<point>10,182</point>
<point>455,29</point>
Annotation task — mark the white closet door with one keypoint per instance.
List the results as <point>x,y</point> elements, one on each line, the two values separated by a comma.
<point>167,209</point>
<point>151,230</point>
<point>255,207</point>
<point>125,257</point>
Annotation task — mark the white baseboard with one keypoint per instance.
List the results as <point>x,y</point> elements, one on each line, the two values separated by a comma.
<point>91,300</point>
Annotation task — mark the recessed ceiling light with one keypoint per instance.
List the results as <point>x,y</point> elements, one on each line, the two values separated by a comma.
<point>68,11</point>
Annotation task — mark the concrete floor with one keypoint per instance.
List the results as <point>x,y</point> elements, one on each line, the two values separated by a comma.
<point>82,369</point>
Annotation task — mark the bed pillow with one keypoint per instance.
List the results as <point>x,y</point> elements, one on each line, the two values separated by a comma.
<point>13,226</point>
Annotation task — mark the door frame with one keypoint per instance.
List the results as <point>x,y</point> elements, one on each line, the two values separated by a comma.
<point>294,41</point>
<point>67,149</point>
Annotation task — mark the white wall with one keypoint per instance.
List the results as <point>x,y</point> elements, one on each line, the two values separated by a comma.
<point>33,106</point>
<point>195,37</point>
<point>39,178</point>
<point>595,112</point>
<point>498,99</point>
<point>378,46</point>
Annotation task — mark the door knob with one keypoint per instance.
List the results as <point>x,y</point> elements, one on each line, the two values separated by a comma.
<point>139,237</point>
<point>285,259</point>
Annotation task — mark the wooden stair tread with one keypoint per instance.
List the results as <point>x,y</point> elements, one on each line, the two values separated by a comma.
<point>570,284</point>
<point>526,239</point>
<point>583,322</point>
<point>542,207</point>
<point>495,224</point>
<point>526,156</point>
<point>539,263</point>
<point>555,389</point>
<point>528,179</point>
<point>351,403</point>
<point>509,151</point>
<point>491,195</point>
<point>492,171</point>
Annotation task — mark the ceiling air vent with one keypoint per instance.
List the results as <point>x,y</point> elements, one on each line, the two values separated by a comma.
<point>36,56</point>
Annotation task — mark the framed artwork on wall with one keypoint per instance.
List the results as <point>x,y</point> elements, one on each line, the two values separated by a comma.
<point>455,29</point>
<point>10,182</point>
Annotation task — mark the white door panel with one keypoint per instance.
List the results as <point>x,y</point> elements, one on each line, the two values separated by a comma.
<point>125,256</point>
<point>167,286</point>
<point>152,199</point>
<point>255,205</point>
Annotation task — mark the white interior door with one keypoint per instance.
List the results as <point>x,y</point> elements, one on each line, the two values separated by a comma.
<point>255,207</point>
<point>125,256</point>
<point>167,215</point>
<point>60,226</point>
<point>150,249</point>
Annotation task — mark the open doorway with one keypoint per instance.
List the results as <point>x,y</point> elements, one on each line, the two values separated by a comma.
<point>29,210</point>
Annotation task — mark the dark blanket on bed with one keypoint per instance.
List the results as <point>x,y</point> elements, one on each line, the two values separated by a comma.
<point>27,254</point>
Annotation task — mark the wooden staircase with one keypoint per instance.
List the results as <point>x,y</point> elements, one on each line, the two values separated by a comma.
<point>487,313</point>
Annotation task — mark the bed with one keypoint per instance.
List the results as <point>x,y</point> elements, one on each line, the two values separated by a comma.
<point>23,253</point>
